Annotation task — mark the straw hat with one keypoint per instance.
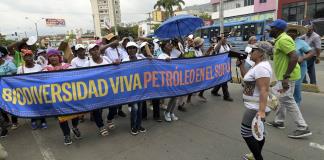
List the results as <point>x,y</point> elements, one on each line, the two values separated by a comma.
<point>198,41</point>
<point>300,29</point>
<point>110,36</point>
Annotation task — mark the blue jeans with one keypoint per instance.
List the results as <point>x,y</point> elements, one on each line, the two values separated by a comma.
<point>298,85</point>
<point>136,115</point>
<point>311,71</point>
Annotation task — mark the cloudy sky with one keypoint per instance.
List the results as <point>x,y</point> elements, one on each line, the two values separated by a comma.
<point>77,14</point>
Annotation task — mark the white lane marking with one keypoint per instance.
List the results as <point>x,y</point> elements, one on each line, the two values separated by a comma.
<point>46,152</point>
<point>316,145</point>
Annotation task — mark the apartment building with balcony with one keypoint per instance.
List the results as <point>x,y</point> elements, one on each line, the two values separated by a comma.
<point>103,14</point>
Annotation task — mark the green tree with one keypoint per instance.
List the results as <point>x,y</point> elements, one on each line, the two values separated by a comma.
<point>168,5</point>
<point>123,31</point>
<point>4,42</point>
<point>205,16</point>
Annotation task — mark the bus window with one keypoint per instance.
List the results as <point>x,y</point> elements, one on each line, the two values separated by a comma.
<point>238,31</point>
<point>227,30</point>
<point>205,33</point>
<point>259,30</point>
<point>214,32</point>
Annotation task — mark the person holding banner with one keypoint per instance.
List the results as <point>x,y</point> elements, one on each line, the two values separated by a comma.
<point>80,61</point>
<point>222,47</point>
<point>6,68</point>
<point>29,66</point>
<point>169,115</point>
<point>97,60</point>
<point>117,55</point>
<point>136,108</point>
<point>255,95</point>
<point>55,63</point>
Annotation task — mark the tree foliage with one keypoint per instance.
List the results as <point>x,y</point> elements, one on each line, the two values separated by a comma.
<point>168,5</point>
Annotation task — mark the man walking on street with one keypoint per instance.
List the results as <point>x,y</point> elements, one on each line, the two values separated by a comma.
<point>314,40</point>
<point>287,72</point>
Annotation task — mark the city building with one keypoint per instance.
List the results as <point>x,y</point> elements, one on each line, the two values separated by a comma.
<point>297,11</point>
<point>103,14</point>
<point>238,10</point>
<point>159,15</point>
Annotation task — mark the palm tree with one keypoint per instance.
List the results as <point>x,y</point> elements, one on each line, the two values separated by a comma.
<point>168,5</point>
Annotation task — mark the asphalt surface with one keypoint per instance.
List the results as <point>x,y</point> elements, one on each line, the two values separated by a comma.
<point>208,131</point>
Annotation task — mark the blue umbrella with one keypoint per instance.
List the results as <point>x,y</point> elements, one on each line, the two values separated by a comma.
<point>178,26</point>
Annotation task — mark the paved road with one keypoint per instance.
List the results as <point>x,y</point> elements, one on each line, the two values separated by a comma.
<point>208,131</point>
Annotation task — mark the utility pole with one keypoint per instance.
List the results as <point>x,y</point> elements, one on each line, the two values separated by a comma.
<point>221,16</point>
<point>36,29</point>
<point>114,15</point>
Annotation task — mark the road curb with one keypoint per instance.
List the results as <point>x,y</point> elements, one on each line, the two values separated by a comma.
<point>305,87</point>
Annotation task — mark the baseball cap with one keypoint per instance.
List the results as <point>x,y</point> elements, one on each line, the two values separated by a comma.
<point>279,24</point>
<point>91,46</point>
<point>143,44</point>
<point>266,47</point>
<point>131,44</point>
<point>79,46</point>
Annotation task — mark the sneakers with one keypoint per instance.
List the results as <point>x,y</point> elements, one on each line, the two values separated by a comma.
<point>103,131</point>
<point>121,113</point>
<point>134,131</point>
<point>34,125</point>
<point>44,125</point>
<point>279,125</point>
<point>14,126</point>
<point>141,129</point>
<point>174,117</point>
<point>67,140</point>
<point>248,156</point>
<point>167,116</point>
<point>76,133</point>
<point>110,125</point>
<point>300,134</point>
<point>4,133</point>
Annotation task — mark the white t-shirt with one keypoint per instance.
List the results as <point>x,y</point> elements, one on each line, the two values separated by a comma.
<point>175,53</point>
<point>140,56</point>
<point>224,49</point>
<point>36,68</point>
<point>163,56</point>
<point>261,70</point>
<point>198,53</point>
<point>113,55</point>
<point>105,61</point>
<point>79,63</point>
<point>42,61</point>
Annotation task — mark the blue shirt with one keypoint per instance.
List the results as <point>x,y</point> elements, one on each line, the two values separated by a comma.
<point>301,49</point>
<point>8,68</point>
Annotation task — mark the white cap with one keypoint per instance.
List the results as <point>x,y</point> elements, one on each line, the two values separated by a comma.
<point>31,40</point>
<point>156,40</point>
<point>144,44</point>
<point>248,49</point>
<point>130,44</point>
<point>78,46</point>
<point>191,36</point>
<point>91,46</point>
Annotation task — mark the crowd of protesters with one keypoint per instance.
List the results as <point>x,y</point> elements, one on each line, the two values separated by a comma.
<point>293,53</point>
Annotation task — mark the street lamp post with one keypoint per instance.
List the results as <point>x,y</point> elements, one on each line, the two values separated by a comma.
<point>36,25</point>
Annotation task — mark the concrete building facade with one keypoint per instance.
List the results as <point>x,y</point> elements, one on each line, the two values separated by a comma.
<point>238,10</point>
<point>103,14</point>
